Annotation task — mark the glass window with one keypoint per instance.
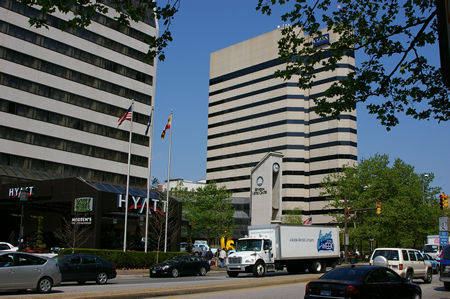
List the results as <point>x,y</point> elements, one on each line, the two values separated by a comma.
<point>412,256</point>
<point>405,255</point>
<point>89,260</point>
<point>27,260</point>
<point>419,256</point>
<point>390,255</point>
<point>75,260</point>
<point>6,260</point>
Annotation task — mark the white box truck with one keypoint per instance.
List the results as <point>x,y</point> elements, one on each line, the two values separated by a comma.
<point>272,247</point>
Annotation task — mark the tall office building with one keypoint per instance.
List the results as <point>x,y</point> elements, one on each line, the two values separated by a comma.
<point>252,113</point>
<point>61,93</point>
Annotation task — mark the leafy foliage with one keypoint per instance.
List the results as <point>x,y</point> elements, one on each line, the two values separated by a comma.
<point>80,13</point>
<point>390,37</point>
<point>209,209</point>
<point>409,209</point>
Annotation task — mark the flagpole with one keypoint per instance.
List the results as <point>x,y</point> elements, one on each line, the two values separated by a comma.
<point>168,182</point>
<point>128,180</point>
<point>149,184</point>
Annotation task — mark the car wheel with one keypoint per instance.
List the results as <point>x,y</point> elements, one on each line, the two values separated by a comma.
<point>174,272</point>
<point>447,286</point>
<point>44,285</point>
<point>429,277</point>
<point>416,296</point>
<point>232,274</point>
<point>259,269</point>
<point>409,276</point>
<point>102,278</point>
<point>202,271</point>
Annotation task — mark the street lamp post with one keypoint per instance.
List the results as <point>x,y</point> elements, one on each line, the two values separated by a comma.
<point>23,196</point>
<point>426,175</point>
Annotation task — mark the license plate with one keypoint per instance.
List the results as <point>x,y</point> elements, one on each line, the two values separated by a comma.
<point>325,292</point>
<point>153,271</point>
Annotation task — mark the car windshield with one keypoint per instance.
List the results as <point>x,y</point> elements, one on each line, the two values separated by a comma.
<point>346,274</point>
<point>431,248</point>
<point>248,245</point>
<point>390,255</point>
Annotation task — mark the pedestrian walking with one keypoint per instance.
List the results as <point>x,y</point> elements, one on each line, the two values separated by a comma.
<point>222,257</point>
<point>209,256</point>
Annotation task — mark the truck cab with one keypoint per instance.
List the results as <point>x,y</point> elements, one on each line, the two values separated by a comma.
<point>251,256</point>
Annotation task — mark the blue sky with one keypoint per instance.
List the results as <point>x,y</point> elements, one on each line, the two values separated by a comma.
<point>205,26</point>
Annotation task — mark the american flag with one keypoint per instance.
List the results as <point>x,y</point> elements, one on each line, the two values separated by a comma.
<point>128,115</point>
<point>307,221</point>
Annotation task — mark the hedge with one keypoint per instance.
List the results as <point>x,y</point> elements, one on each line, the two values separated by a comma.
<point>129,259</point>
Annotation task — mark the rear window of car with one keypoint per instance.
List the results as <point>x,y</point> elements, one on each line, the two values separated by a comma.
<point>390,255</point>
<point>346,274</point>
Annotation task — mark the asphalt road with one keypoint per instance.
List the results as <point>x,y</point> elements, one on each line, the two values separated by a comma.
<point>214,285</point>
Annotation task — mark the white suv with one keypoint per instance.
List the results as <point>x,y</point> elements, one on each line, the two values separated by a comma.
<point>408,263</point>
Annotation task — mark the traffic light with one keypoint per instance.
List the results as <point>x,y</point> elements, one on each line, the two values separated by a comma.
<point>378,208</point>
<point>441,201</point>
<point>445,200</point>
<point>347,211</point>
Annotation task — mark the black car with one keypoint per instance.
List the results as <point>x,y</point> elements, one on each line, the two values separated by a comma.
<point>180,265</point>
<point>362,282</point>
<point>85,267</point>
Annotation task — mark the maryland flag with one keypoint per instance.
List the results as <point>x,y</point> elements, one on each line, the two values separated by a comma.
<point>168,125</point>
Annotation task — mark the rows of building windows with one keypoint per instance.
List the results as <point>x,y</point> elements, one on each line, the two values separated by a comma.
<point>280,135</point>
<point>82,33</point>
<point>283,147</point>
<point>285,160</point>
<point>78,77</point>
<point>69,146</point>
<point>73,52</point>
<point>274,124</point>
<point>64,170</point>
<point>265,65</point>
<point>69,122</point>
<point>272,76</point>
<point>66,97</point>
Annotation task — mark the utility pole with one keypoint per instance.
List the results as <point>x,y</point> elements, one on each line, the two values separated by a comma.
<point>346,212</point>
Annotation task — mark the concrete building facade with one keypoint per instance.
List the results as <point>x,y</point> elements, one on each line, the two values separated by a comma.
<point>61,93</point>
<point>252,113</point>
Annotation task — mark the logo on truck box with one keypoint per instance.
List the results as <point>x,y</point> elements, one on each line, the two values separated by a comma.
<point>325,242</point>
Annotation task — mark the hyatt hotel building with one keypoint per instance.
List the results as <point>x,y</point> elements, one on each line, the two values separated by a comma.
<point>61,94</point>
<point>252,113</point>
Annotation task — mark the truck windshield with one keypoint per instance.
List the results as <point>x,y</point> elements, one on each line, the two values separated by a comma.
<point>431,248</point>
<point>248,245</point>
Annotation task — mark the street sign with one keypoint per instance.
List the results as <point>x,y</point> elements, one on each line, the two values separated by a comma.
<point>443,224</point>
<point>443,238</point>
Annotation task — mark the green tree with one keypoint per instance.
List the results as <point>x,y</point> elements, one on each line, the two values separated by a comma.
<point>390,38</point>
<point>293,217</point>
<point>210,211</point>
<point>409,209</point>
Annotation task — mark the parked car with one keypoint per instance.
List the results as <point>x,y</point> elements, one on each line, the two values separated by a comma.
<point>445,267</point>
<point>4,246</point>
<point>85,267</point>
<point>408,263</point>
<point>180,265</point>
<point>21,271</point>
<point>432,261</point>
<point>362,282</point>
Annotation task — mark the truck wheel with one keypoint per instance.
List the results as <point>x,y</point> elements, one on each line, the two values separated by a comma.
<point>447,286</point>
<point>259,269</point>
<point>316,267</point>
<point>232,273</point>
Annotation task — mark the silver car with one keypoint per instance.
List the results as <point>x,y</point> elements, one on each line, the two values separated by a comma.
<point>21,271</point>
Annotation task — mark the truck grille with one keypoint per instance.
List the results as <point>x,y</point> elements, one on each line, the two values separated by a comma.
<point>234,260</point>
